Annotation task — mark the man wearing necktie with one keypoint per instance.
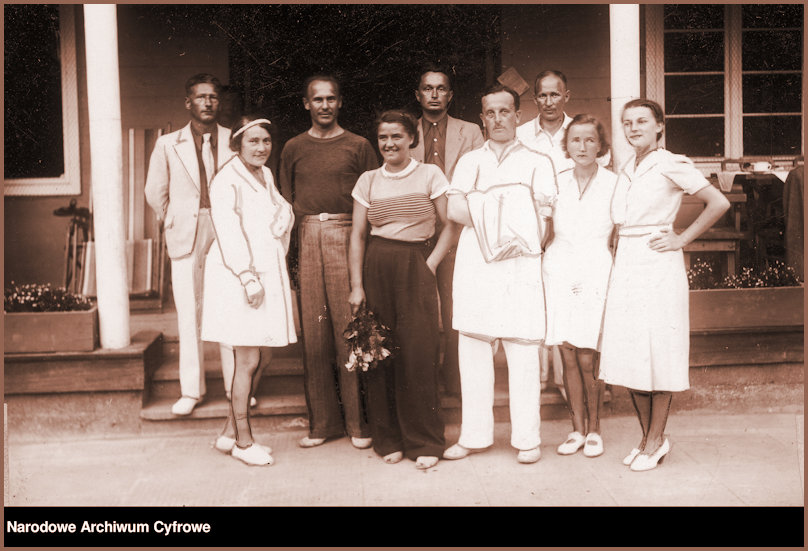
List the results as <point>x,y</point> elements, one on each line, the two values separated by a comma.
<point>180,170</point>
<point>442,140</point>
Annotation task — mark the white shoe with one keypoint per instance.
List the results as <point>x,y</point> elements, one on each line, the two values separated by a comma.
<point>185,405</point>
<point>394,457</point>
<point>361,443</point>
<point>225,444</point>
<point>575,441</point>
<point>424,462</point>
<point>529,456</point>
<point>308,442</point>
<point>646,462</point>
<point>459,452</point>
<point>630,457</point>
<point>254,455</point>
<point>594,445</point>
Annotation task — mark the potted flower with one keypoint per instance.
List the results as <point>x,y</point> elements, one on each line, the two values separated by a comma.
<point>755,298</point>
<point>41,318</point>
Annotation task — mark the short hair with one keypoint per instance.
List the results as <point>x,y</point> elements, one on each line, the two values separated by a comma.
<point>656,109</point>
<point>586,118</point>
<point>435,68</point>
<point>401,117</point>
<point>202,78</point>
<point>498,87</point>
<point>324,78</point>
<point>235,141</point>
<point>549,73</point>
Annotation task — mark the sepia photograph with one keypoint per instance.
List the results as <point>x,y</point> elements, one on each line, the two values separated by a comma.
<point>333,260</point>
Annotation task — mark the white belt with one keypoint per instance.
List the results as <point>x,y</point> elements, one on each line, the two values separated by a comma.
<point>639,231</point>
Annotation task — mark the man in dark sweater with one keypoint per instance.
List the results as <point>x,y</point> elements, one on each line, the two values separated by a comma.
<point>318,171</point>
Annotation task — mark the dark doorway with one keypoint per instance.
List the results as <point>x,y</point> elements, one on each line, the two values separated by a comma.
<point>375,51</point>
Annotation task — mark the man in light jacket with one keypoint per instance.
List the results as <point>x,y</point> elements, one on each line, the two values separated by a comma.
<point>181,167</point>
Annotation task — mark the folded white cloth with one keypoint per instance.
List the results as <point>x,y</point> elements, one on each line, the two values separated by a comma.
<point>506,221</point>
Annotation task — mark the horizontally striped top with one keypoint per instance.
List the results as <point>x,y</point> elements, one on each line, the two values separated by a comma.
<point>400,205</point>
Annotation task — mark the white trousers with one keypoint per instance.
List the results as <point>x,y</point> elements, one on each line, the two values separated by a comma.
<point>187,280</point>
<point>476,360</point>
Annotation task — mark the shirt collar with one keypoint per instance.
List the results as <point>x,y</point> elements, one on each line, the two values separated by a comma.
<point>516,144</point>
<point>402,173</point>
<point>198,136</point>
<point>439,126</point>
<point>537,129</point>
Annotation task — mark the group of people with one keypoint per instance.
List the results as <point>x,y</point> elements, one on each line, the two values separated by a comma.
<point>523,240</point>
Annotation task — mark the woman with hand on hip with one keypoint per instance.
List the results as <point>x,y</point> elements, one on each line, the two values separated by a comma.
<point>394,270</point>
<point>646,327</point>
<point>247,297</point>
<point>576,268</point>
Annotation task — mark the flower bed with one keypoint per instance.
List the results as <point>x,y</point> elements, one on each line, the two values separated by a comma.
<point>755,299</point>
<point>40,318</point>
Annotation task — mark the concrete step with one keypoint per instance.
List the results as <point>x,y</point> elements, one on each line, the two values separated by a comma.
<point>286,404</point>
<point>279,404</point>
<point>171,349</point>
<point>281,376</point>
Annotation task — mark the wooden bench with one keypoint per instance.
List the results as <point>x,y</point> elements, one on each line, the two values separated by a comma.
<point>725,238</point>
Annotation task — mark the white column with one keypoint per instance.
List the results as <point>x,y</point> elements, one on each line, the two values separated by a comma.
<point>104,103</point>
<point>624,42</point>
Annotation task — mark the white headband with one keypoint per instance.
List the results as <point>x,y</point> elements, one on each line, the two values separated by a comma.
<point>250,125</point>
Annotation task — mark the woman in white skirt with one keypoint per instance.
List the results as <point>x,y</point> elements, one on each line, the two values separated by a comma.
<point>646,330</point>
<point>576,269</point>
<point>247,296</point>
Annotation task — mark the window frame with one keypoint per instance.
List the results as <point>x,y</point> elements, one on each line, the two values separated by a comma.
<point>733,79</point>
<point>69,182</point>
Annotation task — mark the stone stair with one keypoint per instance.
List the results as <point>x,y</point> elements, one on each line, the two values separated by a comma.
<point>280,393</point>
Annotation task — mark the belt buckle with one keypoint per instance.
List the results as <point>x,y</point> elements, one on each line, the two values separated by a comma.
<point>323,216</point>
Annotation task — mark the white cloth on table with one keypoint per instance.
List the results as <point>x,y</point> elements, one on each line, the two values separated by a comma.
<point>503,298</point>
<point>252,225</point>
<point>577,263</point>
<point>725,179</point>
<point>645,343</point>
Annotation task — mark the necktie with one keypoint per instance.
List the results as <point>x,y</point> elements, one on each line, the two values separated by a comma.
<point>207,157</point>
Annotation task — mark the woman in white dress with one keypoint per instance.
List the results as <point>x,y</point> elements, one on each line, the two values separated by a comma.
<point>247,296</point>
<point>646,330</point>
<point>576,269</point>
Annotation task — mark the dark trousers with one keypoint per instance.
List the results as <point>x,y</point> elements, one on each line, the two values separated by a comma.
<point>449,370</point>
<point>403,401</point>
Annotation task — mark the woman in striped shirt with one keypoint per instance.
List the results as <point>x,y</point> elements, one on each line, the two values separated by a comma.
<point>393,271</point>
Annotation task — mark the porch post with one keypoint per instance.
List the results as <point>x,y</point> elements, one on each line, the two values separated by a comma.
<point>104,107</point>
<point>624,42</point>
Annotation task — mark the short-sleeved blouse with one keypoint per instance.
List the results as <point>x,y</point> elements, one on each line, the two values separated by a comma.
<point>400,204</point>
<point>663,177</point>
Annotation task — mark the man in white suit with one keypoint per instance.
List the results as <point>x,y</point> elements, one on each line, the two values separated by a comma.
<point>181,167</point>
<point>442,140</point>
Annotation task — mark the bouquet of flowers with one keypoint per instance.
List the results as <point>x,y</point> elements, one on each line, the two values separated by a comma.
<point>368,340</point>
<point>33,297</point>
